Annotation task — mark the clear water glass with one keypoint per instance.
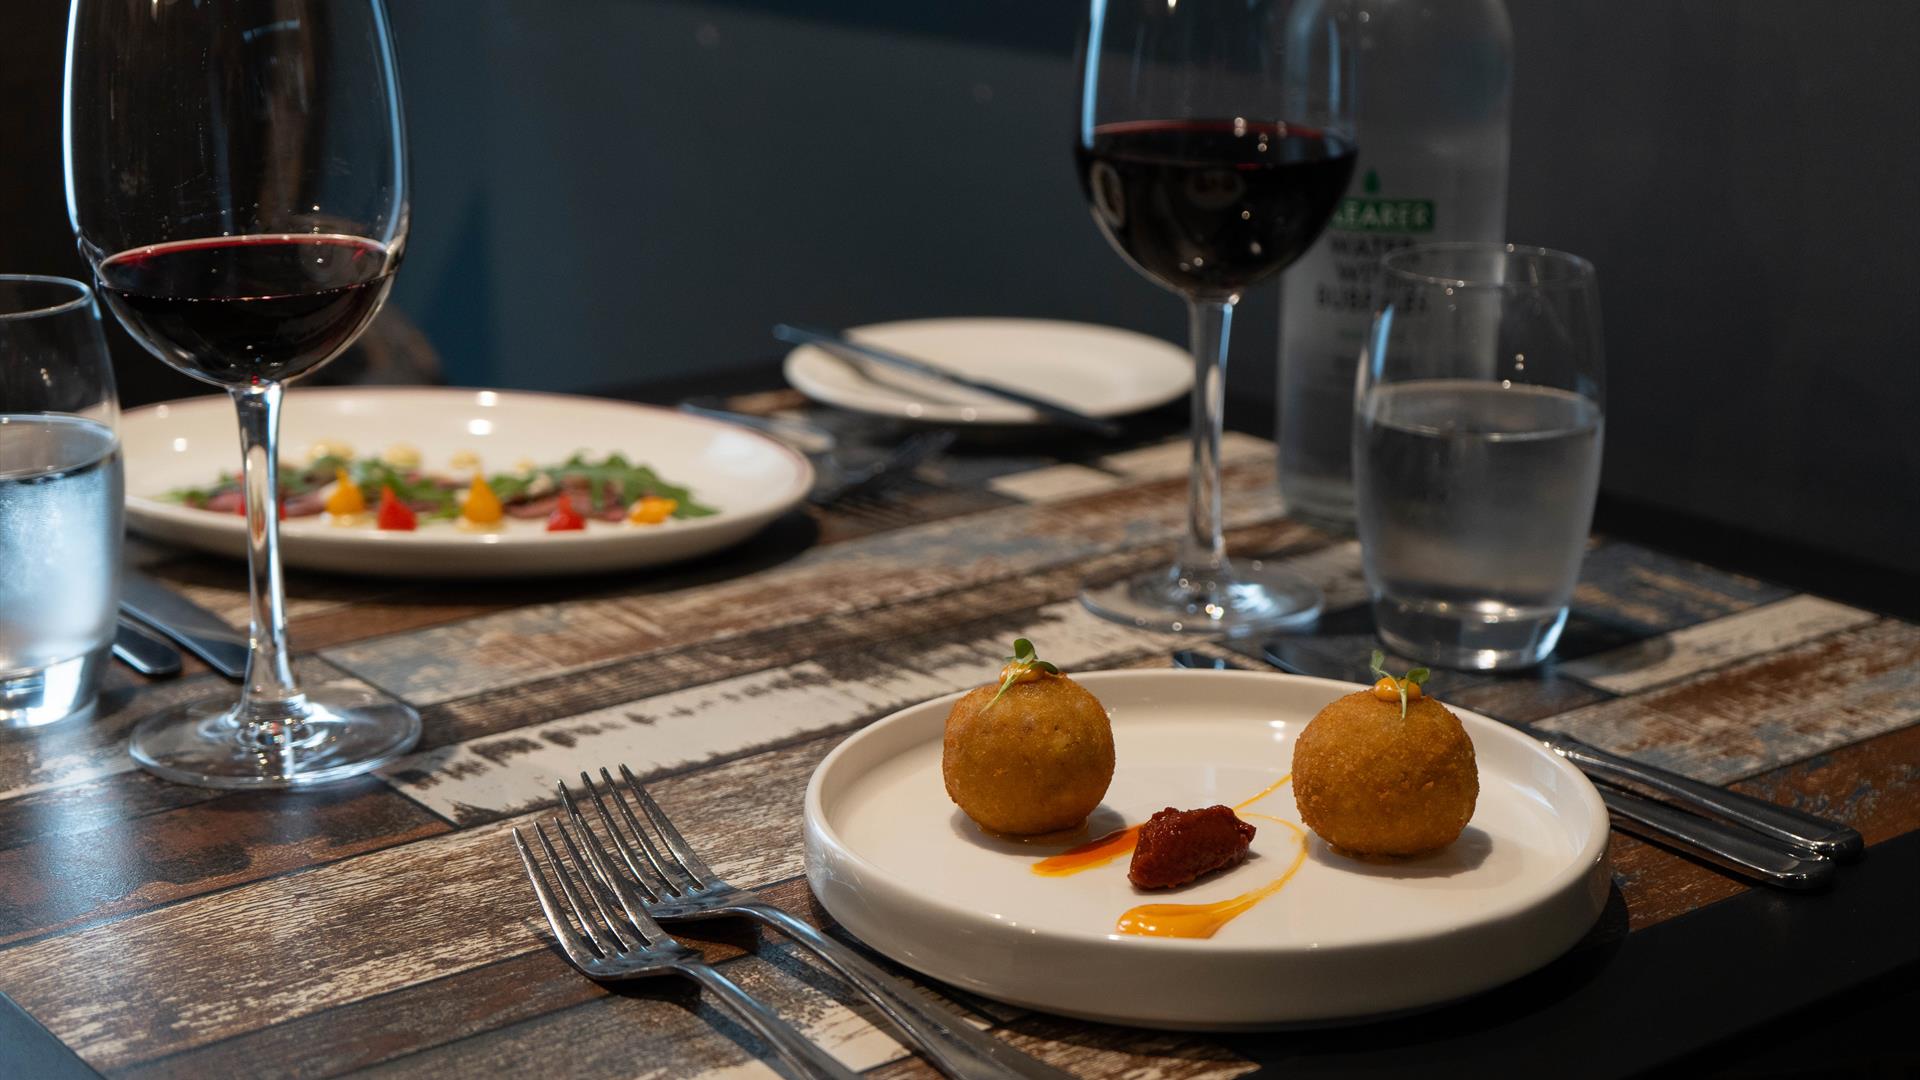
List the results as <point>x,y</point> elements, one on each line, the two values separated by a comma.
<point>1478,421</point>
<point>60,501</point>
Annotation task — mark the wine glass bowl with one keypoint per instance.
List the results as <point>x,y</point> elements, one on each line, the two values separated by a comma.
<point>1214,142</point>
<point>236,178</point>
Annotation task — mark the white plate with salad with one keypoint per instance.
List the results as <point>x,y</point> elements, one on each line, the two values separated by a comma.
<point>444,483</point>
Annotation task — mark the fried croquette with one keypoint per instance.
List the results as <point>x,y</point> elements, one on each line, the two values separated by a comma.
<point>1373,783</point>
<point>1032,754</point>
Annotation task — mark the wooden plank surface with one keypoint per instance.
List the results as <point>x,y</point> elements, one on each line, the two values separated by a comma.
<point>385,925</point>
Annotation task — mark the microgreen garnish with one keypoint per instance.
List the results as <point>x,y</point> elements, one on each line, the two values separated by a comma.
<point>1416,676</point>
<point>1022,661</point>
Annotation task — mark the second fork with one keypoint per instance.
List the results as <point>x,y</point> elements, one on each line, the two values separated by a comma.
<point>612,949</point>
<point>678,884</point>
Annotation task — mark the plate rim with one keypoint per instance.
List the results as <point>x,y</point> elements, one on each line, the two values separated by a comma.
<point>137,505</point>
<point>1580,865</point>
<point>1014,415</point>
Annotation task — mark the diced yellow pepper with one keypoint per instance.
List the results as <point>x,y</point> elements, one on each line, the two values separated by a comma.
<point>346,497</point>
<point>653,510</point>
<point>482,506</point>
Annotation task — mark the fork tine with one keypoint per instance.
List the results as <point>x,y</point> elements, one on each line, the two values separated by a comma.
<point>566,890</point>
<point>689,862</point>
<point>640,877</point>
<point>630,901</point>
<point>655,873</point>
<point>592,881</point>
<point>585,880</point>
<point>563,931</point>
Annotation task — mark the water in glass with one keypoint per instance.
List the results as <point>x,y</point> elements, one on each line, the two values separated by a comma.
<point>60,504</point>
<point>1477,499</point>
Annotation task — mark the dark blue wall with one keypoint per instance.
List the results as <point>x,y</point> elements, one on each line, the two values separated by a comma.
<point>612,190</point>
<point>609,189</point>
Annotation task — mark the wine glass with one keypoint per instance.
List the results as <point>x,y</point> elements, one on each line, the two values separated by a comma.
<point>1215,140</point>
<point>236,177</point>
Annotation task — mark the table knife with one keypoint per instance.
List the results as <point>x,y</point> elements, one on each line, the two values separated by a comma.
<point>139,649</point>
<point>844,346</point>
<point>193,627</point>
<point>1730,847</point>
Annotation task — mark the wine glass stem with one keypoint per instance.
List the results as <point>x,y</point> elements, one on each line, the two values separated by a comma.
<point>270,697</point>
<point>1203,552</point>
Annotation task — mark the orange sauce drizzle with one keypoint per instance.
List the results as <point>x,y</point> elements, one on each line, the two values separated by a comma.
<point>1204,920</point>
<point>1100,852</point>
<point>1264,792</point>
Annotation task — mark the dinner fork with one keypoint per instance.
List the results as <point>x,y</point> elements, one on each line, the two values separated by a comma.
<point>613,949</point>
<point>678,884</point>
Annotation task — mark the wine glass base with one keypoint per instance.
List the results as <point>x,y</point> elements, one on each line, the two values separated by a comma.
<point>1234,601</point>
<point>341,732</point>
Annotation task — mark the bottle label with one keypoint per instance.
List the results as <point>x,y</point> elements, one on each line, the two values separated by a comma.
<point>1384,215</point>
<point>1365,228</point>
<point>1372,214</point>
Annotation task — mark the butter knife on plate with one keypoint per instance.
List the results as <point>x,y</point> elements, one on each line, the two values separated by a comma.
<point>845,347</point>
<point>193,627</point>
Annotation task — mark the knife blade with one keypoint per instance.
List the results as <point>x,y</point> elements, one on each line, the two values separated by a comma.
<point>193,627</point>
<point>138,648</point>
<point>844,346</point>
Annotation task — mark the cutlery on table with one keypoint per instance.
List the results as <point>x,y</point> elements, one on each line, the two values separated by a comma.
<point>139,649</point>
<point>1784,853</point>
<point>841,470</point>
<point>191,626</point>
<point>808,439</point>
<point>674,883</point>
<point>623,943</point>
<point>1730,847</point>
<point>845,348</point>
<point>1795,828</point>
<point>854,474</point>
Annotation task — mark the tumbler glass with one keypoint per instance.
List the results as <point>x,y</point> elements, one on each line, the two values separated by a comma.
<point>60,501</point>
<point>1476,442</point>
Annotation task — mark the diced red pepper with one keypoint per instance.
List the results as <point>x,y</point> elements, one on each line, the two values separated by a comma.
<point>394,514</point>
<point>564,517</point>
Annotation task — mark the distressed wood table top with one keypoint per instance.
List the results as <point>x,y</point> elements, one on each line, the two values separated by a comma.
<point>384,925</point>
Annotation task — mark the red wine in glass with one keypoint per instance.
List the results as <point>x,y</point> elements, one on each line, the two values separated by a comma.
<point>1209,207</point>
<point>236,310</point>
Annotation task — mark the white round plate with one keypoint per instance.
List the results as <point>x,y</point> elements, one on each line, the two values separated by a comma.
<point>1096,370</point>
<point>749,478</point>
<point>900,866</point>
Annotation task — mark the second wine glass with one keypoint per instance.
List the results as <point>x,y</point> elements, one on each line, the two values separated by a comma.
<point>236,176</point>
<point>1214,142</point>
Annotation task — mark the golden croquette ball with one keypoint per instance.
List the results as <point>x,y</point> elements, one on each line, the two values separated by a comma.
<point>1037,760</point>
<point>1372,783</point>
